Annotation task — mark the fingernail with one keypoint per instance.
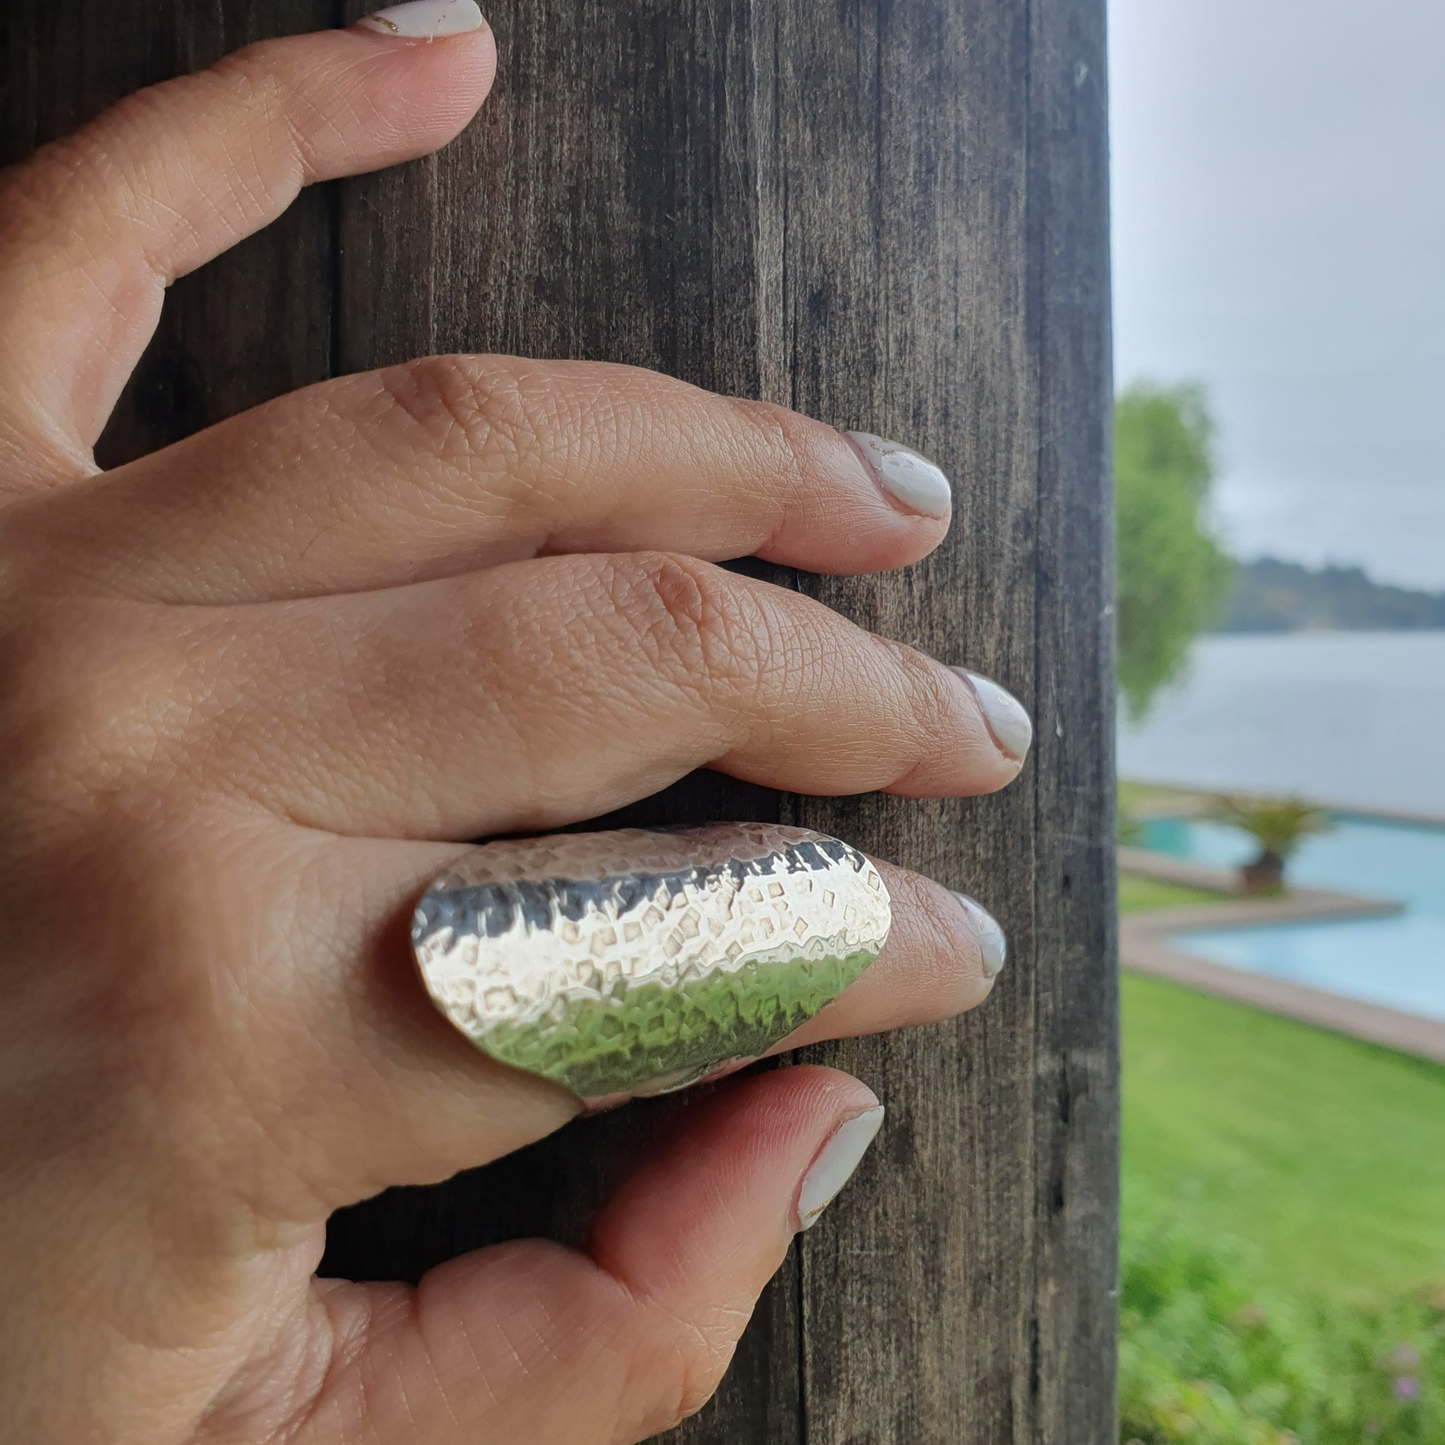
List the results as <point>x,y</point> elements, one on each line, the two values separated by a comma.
<point>991,938</point>
<point>834,1164</point>
<point>912,480</point>
<point>425,19</point>
<point>1004,714</point>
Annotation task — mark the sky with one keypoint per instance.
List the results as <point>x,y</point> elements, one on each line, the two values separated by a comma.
<point>1279,235</point>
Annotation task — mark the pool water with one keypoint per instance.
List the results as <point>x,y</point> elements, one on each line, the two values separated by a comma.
<point>1398,961</point>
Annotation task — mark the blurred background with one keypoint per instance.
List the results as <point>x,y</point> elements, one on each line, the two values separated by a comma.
<point>1279,274</point>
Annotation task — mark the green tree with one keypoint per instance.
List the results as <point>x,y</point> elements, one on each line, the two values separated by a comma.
<point>1173,577</point>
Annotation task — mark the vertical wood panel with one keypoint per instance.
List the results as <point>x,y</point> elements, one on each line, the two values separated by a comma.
<point>890,214</point>
<point>1077,1012</point>
<point>905,266</point>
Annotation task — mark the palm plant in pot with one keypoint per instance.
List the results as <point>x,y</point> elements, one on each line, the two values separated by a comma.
<point>1279,826</point>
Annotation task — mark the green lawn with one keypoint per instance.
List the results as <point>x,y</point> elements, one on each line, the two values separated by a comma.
<point>1324,1155</point>
<point>1138,894</point>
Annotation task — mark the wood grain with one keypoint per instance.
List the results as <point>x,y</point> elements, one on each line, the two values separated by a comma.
<point>893,216</point>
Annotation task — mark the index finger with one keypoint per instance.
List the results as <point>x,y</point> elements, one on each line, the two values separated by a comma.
<point>96,226</point>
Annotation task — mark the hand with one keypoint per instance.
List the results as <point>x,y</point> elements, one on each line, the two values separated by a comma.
<point>255,692</point>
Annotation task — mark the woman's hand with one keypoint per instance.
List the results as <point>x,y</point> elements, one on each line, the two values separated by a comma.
<point>257,688</point>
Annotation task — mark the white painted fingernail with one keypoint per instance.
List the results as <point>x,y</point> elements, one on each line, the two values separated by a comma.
<point>991,940</point>
<point>911,479</point>
<point>425,19</point>
<point>834,1164</point>
<point>1004,714</point>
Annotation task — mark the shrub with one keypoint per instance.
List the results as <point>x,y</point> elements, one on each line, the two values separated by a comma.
<point>1204,1359</point>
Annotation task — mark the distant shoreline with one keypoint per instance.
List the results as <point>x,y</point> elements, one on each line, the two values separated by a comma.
<point>1321,631</point>
<point>1274,596</point>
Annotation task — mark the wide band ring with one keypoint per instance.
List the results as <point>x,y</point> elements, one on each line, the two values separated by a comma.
<point>640,961</point>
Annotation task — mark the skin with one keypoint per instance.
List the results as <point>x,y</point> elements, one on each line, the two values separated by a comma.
<point>256,690</point>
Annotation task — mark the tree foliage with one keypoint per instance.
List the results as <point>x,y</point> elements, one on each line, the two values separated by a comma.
<point>1173,577</point>
<point>1205,1359</point>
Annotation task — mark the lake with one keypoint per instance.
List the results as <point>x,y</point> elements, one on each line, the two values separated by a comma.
<point>1353,719</point>
<point>1350,718</point>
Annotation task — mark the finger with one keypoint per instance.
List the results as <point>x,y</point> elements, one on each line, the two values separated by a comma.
<point>98,225</point>
<point>944,952</point>
<point>541,693</point>
<point>453,463</point>
<point>363,1082</point>
<point>530,1341</point>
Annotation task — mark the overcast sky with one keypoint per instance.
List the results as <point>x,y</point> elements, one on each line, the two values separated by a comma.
<point>1279,234</point>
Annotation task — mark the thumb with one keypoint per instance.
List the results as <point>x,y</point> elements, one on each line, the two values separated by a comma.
<point>530,1342</point>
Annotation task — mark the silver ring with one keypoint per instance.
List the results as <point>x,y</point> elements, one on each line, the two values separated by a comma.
<point>640,961</point>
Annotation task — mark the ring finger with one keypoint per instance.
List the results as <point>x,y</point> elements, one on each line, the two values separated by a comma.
<point>379,1090</point>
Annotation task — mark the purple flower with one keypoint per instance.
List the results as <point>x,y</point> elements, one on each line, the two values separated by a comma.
<point>1406,1387</point>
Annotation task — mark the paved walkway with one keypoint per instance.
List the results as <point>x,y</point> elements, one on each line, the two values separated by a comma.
<point>1145,863</point>
<point>1144,947</point>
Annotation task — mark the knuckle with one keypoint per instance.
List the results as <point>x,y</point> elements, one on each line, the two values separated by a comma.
<point>539,431</point>
<point>249,74</point>
<point>783,437</point>
<point>951,946</point>
<point>684,1361</point>
<point>690,620</point>
<point>64,175</point>
<point>28,194</point>
<point>173,1057</point>
<point>476,409</point>
<point>89,717</point>
<point>88,178</point>
<point>925,694</point>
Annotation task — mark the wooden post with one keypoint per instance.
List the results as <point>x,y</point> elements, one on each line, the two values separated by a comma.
<point>890,214</point>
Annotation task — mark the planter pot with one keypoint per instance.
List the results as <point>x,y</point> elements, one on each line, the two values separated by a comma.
<point>1264,875</point>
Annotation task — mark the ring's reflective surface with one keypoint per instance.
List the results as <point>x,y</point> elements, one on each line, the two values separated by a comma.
<point>636,961</point>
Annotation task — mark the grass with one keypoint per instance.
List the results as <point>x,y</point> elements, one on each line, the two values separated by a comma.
<point>1325,1156</point>
<point>1137,895</point>
<point>1283,1271</point>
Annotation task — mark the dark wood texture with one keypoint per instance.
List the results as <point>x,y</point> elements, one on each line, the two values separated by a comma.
<point>890,214</point>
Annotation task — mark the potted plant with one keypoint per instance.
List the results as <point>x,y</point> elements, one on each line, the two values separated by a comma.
<point>1279,826</point>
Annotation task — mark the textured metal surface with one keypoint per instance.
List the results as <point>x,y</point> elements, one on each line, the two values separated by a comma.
<point>636,961</point>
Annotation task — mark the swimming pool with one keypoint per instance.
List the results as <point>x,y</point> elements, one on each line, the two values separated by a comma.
<point>1398,962</point>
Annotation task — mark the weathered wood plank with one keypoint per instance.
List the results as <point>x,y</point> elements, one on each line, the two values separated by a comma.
<point>890,216</point>
<point>1076,1019</point>
<point>906,270</point>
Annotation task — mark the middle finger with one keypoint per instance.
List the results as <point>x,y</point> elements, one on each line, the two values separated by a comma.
<point>536,694</point>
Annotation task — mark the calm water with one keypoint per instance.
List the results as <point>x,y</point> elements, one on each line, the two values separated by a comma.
<point>1356,718</point>
<point>1398,962</point>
